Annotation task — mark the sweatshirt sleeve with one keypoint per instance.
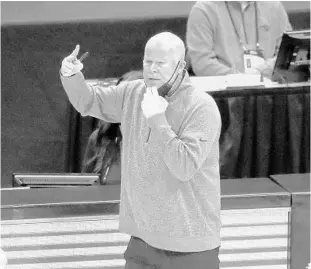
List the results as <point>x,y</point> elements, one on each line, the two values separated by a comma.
<point>199,38</point>
<point>104,103</point>
<point>184,154</point>
<point>283,23</point>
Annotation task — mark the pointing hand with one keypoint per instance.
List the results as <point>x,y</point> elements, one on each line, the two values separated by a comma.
<point>71,65</point>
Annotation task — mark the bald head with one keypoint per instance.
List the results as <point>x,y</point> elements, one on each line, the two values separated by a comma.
<point>164,59</point>
<point>169,43</point>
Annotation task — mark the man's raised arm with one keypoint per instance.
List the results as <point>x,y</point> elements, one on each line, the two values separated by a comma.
<point>95,101</point>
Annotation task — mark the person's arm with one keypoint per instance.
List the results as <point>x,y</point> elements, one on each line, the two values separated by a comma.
<point>96,101</point>
<point>200,43</point>
<point>282,25</point>
<point>185,154</point>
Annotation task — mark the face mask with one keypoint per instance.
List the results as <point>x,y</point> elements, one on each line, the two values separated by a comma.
<point>165,88</point>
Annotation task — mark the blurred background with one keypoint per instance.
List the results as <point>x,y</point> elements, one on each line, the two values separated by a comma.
<point>27,12</point>
<point>39,127</point>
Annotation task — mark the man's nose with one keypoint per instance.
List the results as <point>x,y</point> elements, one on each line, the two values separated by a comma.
<point>153,67</point>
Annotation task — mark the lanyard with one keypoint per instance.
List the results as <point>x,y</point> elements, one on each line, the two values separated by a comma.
<point>236,30</point>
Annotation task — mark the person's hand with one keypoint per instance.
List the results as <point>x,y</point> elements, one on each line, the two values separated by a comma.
<point>271,62</point>
<point>268,67</point>
<point>153,103</point>
<point>265,68</point>
<point>71,65</point>
<point>264,64</point>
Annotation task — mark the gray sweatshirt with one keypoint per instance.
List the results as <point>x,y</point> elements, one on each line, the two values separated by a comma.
<point>170,183</point>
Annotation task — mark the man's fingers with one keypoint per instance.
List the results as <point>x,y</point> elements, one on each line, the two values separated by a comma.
<point>154,91</point>
<point>76,51</point>
<point>147,98</point>
<point>84,55</point>
<point>68,65</point>
<point>148,91</point>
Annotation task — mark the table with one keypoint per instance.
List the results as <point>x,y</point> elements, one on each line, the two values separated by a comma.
<point>264,130</point>
<point>298,185</point>
<point>83,223</point>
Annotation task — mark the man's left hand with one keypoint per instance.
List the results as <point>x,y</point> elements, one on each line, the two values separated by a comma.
<point>153,104</point>
<point>268,64</point>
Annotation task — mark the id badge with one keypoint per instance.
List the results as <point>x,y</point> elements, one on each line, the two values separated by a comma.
<point>252,59</point>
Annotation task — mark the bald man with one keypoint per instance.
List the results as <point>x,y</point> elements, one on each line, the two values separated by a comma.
<point>170,183</point>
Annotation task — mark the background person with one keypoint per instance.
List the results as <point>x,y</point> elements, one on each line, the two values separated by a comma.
<point>221,33</point>
<point>102,154</point>
<point>102,150</point>
<point>224,37</point>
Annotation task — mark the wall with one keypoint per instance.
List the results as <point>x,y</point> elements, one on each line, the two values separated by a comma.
<point>32,12</point>
<point>43,11</point>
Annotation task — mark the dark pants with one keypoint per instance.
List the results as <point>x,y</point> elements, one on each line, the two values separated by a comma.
<point>140,255</point>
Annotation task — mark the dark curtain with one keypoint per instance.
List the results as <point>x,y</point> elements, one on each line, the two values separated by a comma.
<point>265,133</point>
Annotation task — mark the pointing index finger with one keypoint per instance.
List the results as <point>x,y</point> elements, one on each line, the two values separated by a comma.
<point>76,51</point>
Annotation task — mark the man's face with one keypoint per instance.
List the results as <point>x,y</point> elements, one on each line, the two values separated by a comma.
<point>158,66</point>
